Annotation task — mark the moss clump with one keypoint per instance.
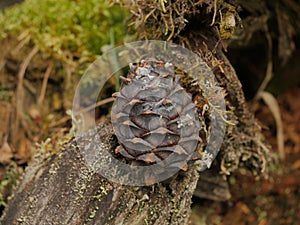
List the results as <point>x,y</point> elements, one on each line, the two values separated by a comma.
<point>69,34</point>
<point>72,25</point>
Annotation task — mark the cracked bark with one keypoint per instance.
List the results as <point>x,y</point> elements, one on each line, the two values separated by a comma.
<point>64,190</point>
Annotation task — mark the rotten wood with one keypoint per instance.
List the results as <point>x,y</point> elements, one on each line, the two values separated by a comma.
<point>64,190</point>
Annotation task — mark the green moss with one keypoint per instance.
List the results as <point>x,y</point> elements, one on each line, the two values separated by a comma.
<point>8,183</point>
<point>73,25</point>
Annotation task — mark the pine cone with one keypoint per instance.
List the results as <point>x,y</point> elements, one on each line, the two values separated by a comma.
<point>154,117</point>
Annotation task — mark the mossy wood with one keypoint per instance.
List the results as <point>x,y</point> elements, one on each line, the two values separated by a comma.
<point>63,190</point>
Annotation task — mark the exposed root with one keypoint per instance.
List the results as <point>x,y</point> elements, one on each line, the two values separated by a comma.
<point>272,103</point>
<point>269,71</point>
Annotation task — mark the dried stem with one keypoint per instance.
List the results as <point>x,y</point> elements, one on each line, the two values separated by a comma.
<point>20,89</point>
<point>91,107</point>
<point>269,71</point>
<point>45,82</point>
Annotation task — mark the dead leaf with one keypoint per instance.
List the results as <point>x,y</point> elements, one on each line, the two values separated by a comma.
<point>5,153</point>
<point>296,165</point>
<point>35,115</point>
<point>23,154</point>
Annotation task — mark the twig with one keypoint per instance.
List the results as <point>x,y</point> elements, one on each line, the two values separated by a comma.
<point>59,132</point>
<point>163,7</point>
<point>59,122</point>
<point>172,26</point>
<point>45,82</point>
<point>272,103</point>
<point>269,71</point>
<point>166,24</point>
<point>149,14</point>
<point>215,13</point>
<point>24,38</point>
<point>30,87</point>
<point>25,64</point>
<point>2,64</point>
<point>269,99</point>
<point>91,107</point>
<point>20,89</point>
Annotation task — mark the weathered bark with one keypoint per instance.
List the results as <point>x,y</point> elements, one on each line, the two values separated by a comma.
<point>64,190</point>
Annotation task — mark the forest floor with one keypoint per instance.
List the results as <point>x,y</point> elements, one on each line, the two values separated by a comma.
<point>273,201</point>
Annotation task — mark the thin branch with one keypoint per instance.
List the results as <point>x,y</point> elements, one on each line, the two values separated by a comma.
<point>215,13</point>
<point>172,26</point>
<point>91,107</point>
<point>45,82</point>
<point>2,64</point>
<point>272,103</point>
<point>20,89</point>
<point>269,71</point>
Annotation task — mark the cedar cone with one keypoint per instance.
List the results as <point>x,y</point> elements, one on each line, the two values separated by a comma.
<point>154,117</point>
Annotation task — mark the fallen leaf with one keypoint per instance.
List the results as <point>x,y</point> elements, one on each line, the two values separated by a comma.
<point>23,154</point>
<point>5,153</point>
<point>296,165</point>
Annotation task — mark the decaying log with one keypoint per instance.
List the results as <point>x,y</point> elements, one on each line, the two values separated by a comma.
<point>64,190</point>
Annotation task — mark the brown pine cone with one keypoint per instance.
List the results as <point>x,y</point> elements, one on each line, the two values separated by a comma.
<point>154,117</point>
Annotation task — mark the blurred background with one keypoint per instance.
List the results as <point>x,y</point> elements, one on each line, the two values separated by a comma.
<point>4,4</point>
